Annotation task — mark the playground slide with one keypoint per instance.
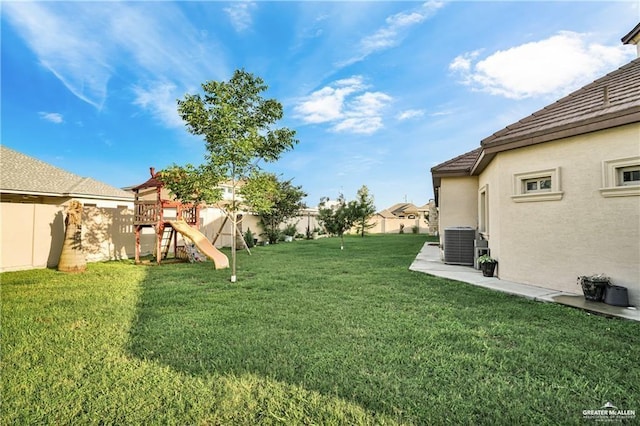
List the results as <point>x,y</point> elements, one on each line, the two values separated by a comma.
<point>220,261</point>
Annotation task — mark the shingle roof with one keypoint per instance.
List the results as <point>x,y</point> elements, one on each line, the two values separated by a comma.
<point>386,213</point>
<point>399,209</point>
<point>26,175</point>
<point>461,163</point>
<point>610,101</point>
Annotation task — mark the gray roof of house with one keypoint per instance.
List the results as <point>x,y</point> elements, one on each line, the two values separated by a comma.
<point>462,163</point>
<point>610,101</point>
<point>21,174</point>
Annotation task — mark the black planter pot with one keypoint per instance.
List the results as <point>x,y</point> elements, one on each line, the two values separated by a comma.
<point>616,295</point>
<point>488,268</point>
<point>593,290</point>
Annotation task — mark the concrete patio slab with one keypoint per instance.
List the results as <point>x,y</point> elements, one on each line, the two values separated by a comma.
<point>429,262</point>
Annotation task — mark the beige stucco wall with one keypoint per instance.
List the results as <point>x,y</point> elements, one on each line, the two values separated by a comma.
<point>458,203</point>
<point>107,233</point>
<point>550,243</point>
<point>392,225</point>
<point>32,233</point>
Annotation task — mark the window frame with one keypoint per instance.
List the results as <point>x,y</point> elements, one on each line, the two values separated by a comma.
<point>483,211</point>
<point>612,184</point>
<point>522,195</point>
<point>630,169</point>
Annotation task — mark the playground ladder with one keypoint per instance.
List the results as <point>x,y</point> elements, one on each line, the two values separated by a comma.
<point>167,237</point>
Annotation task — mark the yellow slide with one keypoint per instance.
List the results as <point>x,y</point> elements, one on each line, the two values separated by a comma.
<point>220,261</point>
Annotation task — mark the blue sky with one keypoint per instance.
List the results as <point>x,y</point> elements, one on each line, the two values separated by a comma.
<point>378,92</point>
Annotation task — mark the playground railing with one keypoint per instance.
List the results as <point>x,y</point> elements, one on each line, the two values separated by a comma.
<point>147,212</point>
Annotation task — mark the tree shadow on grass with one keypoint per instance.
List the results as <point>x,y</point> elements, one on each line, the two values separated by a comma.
<point>319,336</point>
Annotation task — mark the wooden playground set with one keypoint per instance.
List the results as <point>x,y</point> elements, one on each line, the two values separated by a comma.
<point>151,205</point>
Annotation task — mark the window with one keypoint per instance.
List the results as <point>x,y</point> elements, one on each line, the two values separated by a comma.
<point>537,184</point>
<point>629,176</point>
<point>540,185</point>
<point>621,178</point>
<point>483,210</point>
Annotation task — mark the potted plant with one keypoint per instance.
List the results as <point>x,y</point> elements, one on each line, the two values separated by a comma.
<point>487,264</point>
<point>593,286</point>
<point>289,232</point>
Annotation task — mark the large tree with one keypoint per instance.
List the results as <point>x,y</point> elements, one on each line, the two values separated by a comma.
<point>274,200</point>
<point>237,124</point>
<point>364,209</point>
<point>337,218</point>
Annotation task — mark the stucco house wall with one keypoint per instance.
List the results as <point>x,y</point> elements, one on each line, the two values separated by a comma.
<point>551,242</point>
<point>458,203</point>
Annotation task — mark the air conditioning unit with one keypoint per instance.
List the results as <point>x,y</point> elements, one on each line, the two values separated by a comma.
<point>459,245</point>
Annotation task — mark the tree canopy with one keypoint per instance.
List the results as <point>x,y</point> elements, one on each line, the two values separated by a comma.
<point>364,209</point>
<point>236,122</point>
<point>338,218</point>
<point>273,200</point>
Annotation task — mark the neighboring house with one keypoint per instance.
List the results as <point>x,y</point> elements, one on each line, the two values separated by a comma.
<point>34,196</point>
<point>557,194</point>
<point>403,216</point>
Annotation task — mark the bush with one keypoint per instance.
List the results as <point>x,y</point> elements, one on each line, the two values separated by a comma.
<point>249,238</point>
<point>273,235</point>
<point>290,230</point>
<point>415,229</point>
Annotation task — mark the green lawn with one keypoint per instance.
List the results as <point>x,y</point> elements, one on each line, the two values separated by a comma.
<point>309,335</point>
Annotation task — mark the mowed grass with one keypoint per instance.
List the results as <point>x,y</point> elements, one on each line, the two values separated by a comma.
<point>310,334</point>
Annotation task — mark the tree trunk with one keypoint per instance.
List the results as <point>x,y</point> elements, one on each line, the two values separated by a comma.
<point>72,258</point>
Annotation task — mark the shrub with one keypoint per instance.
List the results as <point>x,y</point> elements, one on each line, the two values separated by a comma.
<point>249,238</point>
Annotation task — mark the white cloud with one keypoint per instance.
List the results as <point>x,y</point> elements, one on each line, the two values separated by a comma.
<point>344,104</point>
<point>53,117</point>
<point>160,99</point>
<point>463,62</point>
<point>84,43</point>
<point>410,113</point>
<point>77,61</point>
<point>556,65</point>
<point>393,31</point>
<point>240,15</point>
<point>441,113</point>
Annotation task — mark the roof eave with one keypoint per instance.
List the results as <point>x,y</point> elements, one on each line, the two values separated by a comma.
<point>627,39</point>
<point>603,122</point>
<point>67,195</point>
<point>33,193</point>
<point>100,197</point>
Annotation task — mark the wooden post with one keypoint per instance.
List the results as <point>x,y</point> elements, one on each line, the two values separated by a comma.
<point>215,238</point>
<point>159,233</point>
<point>138,244</point>
<point>175,243</point>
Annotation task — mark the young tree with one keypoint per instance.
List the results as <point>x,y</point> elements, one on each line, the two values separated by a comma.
<point>236,122</point>
<point>337,219</point>
<point>273,200</point>
<point>364,209</point>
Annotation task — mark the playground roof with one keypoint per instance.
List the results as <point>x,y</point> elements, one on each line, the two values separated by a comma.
<point>21,174</point>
